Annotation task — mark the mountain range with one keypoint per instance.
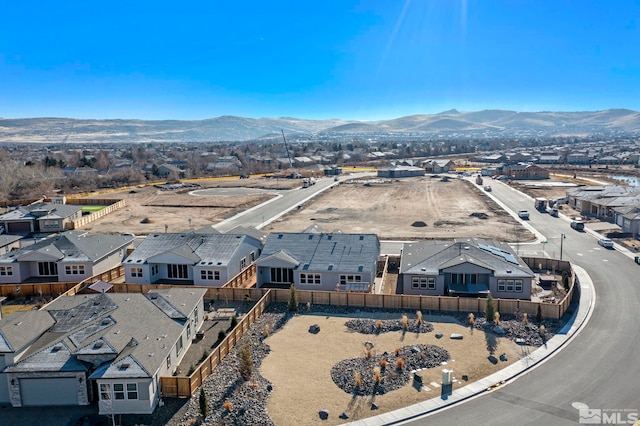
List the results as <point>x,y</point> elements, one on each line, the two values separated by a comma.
<point>452,123</point>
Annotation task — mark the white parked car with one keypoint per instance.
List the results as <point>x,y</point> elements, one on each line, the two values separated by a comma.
<point>523,214</point>
<point>606,243</point>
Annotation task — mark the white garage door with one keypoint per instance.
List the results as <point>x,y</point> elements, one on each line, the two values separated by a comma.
<point>51,391</point>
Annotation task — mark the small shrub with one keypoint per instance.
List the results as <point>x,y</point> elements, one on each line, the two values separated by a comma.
<point>542,331</point>
<point>221,335</point>
<point>266,331</point>
<point>472,319</point>
<point>204,405</point>
<point>227,406</point>
<point>400,363</point>
<point>358,379</point>
<point>539,315</point>
<point>383,363</point>
<point>525,318</point>
<point>368,353</point>
<point>378,325</point>
<point>205,355</point>
<point>293,299</point>
<point>397,351</point>
<point>405,322</point>
<point>496,318</point>
<point>419,320</point>
<point>234,322</point>
<point>376,375</point>
<point>246,363</point>
<point>489,309</point>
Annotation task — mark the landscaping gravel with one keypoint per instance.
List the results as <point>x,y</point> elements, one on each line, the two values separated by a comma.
<point>370,326</point>
<point>394,371</point>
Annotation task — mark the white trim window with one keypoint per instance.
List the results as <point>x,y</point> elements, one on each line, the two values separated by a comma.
<point>310,279</point>
<point>105,391</point>
<point>154,269</point>
<point>431,283</point>
<point>209,274</point>
<point>136,272</point>
<point>512,286</point>
<point>344,279</point>
<point>6,270</point>
<point>74,269</point>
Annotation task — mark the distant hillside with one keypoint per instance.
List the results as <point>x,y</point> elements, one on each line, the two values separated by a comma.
<point>231,128</point>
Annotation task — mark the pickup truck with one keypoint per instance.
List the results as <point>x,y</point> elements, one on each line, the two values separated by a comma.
<point>523,214</point>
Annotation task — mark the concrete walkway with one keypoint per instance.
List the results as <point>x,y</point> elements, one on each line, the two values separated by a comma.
<point>423,409</point>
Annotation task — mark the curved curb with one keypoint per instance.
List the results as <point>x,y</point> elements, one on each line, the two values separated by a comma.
<point>574,326</point>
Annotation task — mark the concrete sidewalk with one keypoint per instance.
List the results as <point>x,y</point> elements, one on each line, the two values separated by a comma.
<point>423,409</point>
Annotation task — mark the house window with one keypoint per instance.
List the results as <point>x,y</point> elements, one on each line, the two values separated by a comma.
<point>281,275</point>
<point>207,274</point>
<point>51,224</point>
<point>154,270</point>
<point>132,391</point>
<point>6,270</point>
<point>509,285</point>
<point>252,256</point>
<point>105,391</point>
<point>195,315</point>
<point>118,391</point>
<point>179,346</point>
<point>310,279</point>
<point>74,269</point>
<point>136,272</point>
<point>465,278</point>
<point>431,283</point>
<point>169,361</point>
<point>47,268</point>
<point>177,271</point>
<point>415,282</point>
<point>188,331</point>
<point>502,284</point>
<point>518,286</point>
<point>350,279</point>
<point>243,263</point>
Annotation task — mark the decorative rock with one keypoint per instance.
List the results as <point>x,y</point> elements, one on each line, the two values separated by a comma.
<point>492,359</point>
<point>438,335</point>
<point>369,344</point>
<point>457,336</point>
<point>417,377</point>
<point>503,357</point>
<point>465,377</point>
<point>374,406</point>
<point>499,330</point>
<point>381,390</point>
<point>415,350</point>
<point>344,416</point>
<point>324,414</point>
<point>269,388</point>
<point>520,341</point>
<point>314,328</point>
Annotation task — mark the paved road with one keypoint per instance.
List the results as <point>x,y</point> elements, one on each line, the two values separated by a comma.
<point>600,368</point>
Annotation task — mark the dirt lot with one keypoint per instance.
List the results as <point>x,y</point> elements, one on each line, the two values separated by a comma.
<point>299,391</point>
<point>412,208</point>
<point>149,209</point>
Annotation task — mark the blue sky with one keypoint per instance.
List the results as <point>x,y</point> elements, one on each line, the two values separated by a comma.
<point>345,59</point>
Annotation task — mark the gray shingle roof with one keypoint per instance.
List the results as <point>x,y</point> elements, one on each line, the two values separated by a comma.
<point>194,247</point>
<point>72,246</point>
<point>57,210</point>
<point>22,327</point>
<point>323,252</point>
<point>429,257</point>
<point>56,357</point>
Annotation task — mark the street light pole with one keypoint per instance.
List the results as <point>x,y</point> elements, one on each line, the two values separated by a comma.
<point>562,237</point>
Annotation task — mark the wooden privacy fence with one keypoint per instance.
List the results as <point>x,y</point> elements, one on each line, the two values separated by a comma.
<point>185,386</point>
<point>245,279</point>
<point>113,206</point>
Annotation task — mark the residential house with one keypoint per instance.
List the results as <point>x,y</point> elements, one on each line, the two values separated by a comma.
<point>397,171</point>
<point>525,171</point>
<point>40,217</point>
<point>68,257</point>
<point>471,267</point>
<point>578,158</point>
<point>196,258</point>
<point>110,348</point>
<point>170,171</point>
<point>9,243</point>
<point>319,261</point>
<point>602,201</point>
<point>438,166</point>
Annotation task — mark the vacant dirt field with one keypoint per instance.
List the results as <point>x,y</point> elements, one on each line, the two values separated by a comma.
<point>412,208</point>
<point>150,209</point>
<point>301,391</point>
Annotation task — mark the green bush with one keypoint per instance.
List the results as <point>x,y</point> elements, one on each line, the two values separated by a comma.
<point>221,335</point>
<point>293,299</point>
<point>489,310</point>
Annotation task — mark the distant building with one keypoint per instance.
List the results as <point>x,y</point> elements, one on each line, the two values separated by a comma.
<point>396,171</point>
